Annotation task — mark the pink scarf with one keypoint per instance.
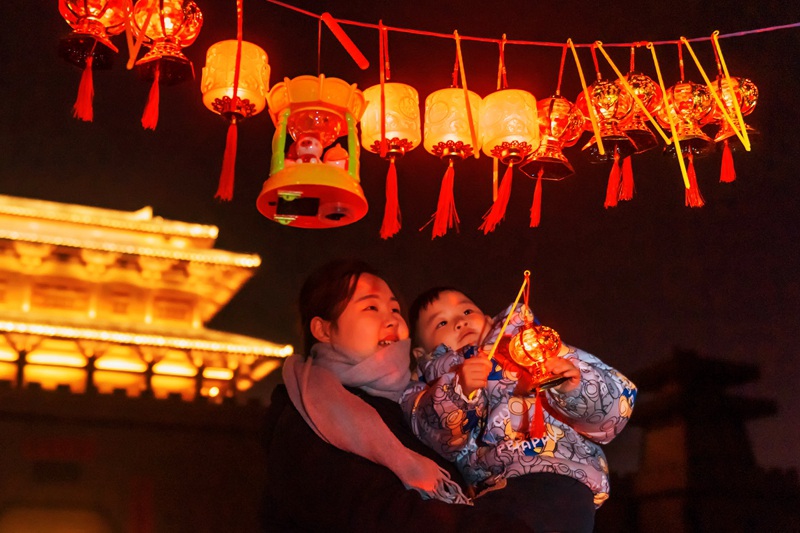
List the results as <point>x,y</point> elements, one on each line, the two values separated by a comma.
<point>316,388</point>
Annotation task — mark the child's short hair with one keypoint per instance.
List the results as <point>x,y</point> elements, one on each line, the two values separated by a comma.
<point>421,303</point>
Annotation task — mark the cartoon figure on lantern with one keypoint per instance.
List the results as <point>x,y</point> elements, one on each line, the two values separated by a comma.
<point>533,405</point>
<point>308,188</point>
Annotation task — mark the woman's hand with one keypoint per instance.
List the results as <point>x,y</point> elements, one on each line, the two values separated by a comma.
<point>558,366</point>
<point>474,374</point>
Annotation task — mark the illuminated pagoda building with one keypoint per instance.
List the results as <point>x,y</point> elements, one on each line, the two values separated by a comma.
<point>118,408</point>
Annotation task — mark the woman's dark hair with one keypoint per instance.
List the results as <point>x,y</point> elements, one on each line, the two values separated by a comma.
<point>421,303</point>
<point>326,292</point>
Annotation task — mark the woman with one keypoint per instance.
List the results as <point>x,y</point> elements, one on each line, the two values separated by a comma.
<point>339,456</point>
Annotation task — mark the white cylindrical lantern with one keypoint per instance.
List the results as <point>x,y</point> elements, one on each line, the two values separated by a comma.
<point>402,128</point>
<point>218,76</point>
<point>509,125</point>
<point>447,122</point>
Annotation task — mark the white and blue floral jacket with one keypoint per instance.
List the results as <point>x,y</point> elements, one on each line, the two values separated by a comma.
<point>489,437</point>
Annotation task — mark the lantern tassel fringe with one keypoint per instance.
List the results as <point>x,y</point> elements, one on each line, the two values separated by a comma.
<point>538,429</point>
<point>536,207</point>
<point>150,115</point>
<point>727,173</point>
<point>446,216</point>
<point>612,190</point>
<point>225,189</point>
<point>497,212</point>
<point>693,196</point>
<point>391,214</point>
<point>626,192</point>
<point>83,109</point>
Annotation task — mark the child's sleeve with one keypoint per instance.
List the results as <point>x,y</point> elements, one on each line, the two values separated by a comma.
<point>601,407</point>
<point>438,412</point>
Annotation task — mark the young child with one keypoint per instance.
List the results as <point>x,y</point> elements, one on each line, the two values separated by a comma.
<point>491,435</point>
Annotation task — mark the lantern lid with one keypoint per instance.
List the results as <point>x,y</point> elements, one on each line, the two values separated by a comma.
<point>315,92</point>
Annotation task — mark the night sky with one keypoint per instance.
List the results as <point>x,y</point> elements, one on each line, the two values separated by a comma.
<point>628,284</point>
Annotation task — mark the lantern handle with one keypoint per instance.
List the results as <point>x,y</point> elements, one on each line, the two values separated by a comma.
<point>525,283</point>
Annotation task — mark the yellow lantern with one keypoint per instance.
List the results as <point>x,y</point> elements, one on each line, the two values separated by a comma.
<point>402,122</point>
<point>216,82</point>
<point>306,188</point>
<point>509,125</point>
<point>390,127</point>
<point>510,133</point>
<point>451,132</point>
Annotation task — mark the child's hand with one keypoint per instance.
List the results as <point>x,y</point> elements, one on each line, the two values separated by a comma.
<point>474,374</point>
<point>559,366</point>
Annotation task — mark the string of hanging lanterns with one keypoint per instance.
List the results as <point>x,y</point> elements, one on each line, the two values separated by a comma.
<point>314,181</point>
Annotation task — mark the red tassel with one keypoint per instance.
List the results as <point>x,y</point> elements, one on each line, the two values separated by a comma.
<point>391,214</point>
<point>693,196</point>
<point>82,109</point>
<point>538,430</point>
<point>225,189</point>
<point>536,207</point>
<point>727,174</point>
<point>150,115</point>
<point>612,190</point>
<point>497,212</point>
<point>626,192</point>
<point>446,216</point>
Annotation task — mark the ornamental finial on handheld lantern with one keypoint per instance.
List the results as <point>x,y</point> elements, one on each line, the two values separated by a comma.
<point>89,46</point>
<point>167,27</point>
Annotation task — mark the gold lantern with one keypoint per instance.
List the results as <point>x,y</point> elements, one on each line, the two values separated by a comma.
<point>167,29</point>
<point>745,94</point>
<point>531,347</point>
<point>649,94</point>
<point>88,46</point>
<point>390,127</point>
<point>92,23</point>
<point>510,133</point>
<point>560,126</point>
<point>688,104</point>
<point>216,82</point>
<point>307,188</point>
<point>739,92</point>
<point>612,105</point>
<point>451,132</point>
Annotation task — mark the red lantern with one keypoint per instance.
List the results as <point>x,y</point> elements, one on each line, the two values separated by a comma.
<point>88,46</point>
<point>741,92</point>
<point>168,28</point>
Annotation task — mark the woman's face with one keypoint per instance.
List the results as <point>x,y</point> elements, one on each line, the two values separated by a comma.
<point>370,322</point>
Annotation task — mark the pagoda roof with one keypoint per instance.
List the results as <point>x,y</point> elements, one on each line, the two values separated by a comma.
<point>141,220</point>
<point>156,335</point>
<point>135,233</point>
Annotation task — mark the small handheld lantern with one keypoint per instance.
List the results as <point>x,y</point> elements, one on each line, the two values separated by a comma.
<point>305,188</point>
<point>532,345</point>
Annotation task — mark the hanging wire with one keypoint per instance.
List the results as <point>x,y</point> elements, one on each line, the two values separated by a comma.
<point>534,43</point>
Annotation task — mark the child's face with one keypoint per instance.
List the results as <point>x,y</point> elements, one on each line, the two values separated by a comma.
<point>452,319</point>
<point>370,322</point>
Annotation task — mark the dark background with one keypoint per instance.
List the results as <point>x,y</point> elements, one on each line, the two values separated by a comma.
<point>629,284</point>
